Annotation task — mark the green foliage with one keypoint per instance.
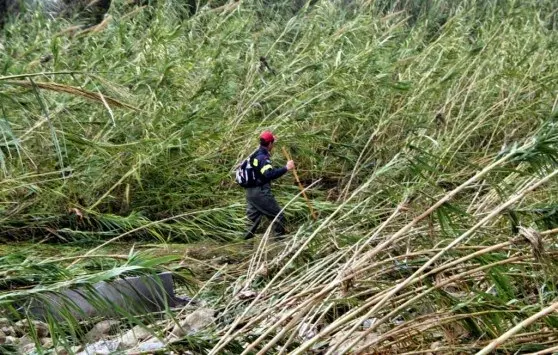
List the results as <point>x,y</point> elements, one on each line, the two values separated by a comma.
<point>394,105</point>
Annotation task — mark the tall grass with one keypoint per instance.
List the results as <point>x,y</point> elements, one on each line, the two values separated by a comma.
<point>431,125</point>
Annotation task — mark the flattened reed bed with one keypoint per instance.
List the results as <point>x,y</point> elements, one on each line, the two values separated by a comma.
<point>430,124</point>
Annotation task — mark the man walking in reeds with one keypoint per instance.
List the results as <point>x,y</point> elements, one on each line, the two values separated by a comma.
<point>259,197</point>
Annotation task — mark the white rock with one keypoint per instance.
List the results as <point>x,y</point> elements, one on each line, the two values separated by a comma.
<point>367,323</point>
<point>152,345</point>
<point>133,336</point>
<point>102,347</point>
<point>8,330</point>
<point>195,321</point>
<point>47,342</point>
<point>5,322</point>
<point>435,345</point>
<point>101,330</point>
<point>76,348</point>
<point>307,331</point>
<point>29,349</point>
<point>26,339</point>
<point>246,295</point>
<point>201,318</point>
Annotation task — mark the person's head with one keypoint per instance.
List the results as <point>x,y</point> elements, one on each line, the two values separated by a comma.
<point>267,139</point>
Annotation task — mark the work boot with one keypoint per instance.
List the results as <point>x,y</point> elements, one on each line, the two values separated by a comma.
<point>249,235</point>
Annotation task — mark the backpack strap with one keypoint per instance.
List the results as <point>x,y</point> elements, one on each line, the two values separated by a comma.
<point>252,156</point>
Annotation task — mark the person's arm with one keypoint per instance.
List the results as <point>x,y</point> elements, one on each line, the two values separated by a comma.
<point>271,173</point>
<point>267,170</point>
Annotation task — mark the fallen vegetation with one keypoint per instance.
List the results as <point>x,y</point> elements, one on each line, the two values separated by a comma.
<point>425,130</point>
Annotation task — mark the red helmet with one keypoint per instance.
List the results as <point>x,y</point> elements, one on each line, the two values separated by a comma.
<point>267,137</point>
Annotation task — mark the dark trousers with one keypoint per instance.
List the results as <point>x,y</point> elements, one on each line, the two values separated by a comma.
<point>261,202</point>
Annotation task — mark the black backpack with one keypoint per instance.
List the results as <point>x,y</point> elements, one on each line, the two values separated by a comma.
<point>246,174</point>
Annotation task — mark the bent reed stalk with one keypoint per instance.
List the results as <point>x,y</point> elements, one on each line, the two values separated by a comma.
<point>427,132</point>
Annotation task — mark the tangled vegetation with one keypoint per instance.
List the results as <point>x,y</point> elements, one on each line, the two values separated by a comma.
<point>425,131</point>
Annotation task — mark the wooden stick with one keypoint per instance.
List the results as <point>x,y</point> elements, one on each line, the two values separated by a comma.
<point>288,156</point>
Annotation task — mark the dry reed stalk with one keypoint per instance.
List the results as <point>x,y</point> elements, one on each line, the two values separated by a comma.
<point>419,326</point>
<point>550,231</point>
<point>444,267</point>
<point>132,13</point>
<point>71,30</point>
<point>72,91</point>
<point>227,7</point>
<point>229,335</point>
<point>305,282</point>
<point>525,323</point>
<point>439,286</point>
<point>551,350</point>
<point>440,202</point>
<point>293,323</point>
<point>100,256</point>
<point>375,299</point>
<point>495,212</point>
<point>96,28</point>
<point>335,284</point>
<point>288,156</point>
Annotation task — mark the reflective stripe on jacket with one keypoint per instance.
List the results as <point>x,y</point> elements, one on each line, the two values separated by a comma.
<point>265,172</point>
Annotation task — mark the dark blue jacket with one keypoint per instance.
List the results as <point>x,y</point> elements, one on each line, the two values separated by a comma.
<point>265,172</point>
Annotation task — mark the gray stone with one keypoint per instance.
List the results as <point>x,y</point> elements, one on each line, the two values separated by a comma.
<point>40,328</point>
<point>8,330</point>
<point>18,328</point>
<point>11,340</point>
<point>102,329</point>
<point>200,318</point>
<point>307,331</point>
<point>2,337</point>
<point>136,295</point>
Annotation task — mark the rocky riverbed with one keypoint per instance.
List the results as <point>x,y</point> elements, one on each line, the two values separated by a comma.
<point>104,337</point>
